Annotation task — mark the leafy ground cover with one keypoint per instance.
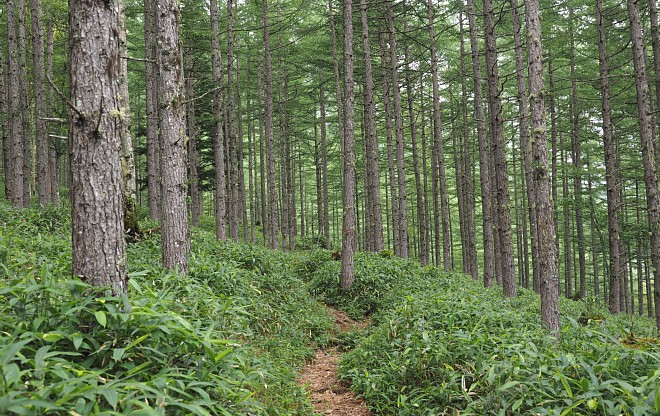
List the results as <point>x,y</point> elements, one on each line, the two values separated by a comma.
<point>226,340</point>
<point>442,344</point>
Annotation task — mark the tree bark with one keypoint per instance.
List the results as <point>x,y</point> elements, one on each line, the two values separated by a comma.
<point>14,179</point>
<point>24,105</point>
<point>338,90</point>
<point>151,99</point>
<point>273,223</point>
<point>503,212</point>
<point>173,152</point>
<point>41,132</point>
<point>324,172</point>
<point>648,146</point>
<point>95,143</point>
<point>484,165</point>
<point>196,207</point>
<point>233,205</point>
<point>348,231</point>
<point>372,172</point>
<point>549,280</point>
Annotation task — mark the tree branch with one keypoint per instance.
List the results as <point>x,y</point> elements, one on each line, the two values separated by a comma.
<point>66,100</point>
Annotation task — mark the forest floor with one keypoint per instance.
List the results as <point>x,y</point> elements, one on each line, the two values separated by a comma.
<point>328,395</point>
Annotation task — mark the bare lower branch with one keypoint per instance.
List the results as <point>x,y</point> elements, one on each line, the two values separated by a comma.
<point>64,98</point>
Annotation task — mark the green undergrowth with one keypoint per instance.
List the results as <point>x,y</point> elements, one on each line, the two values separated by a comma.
<point>226,340</point>
<point>442,344</point>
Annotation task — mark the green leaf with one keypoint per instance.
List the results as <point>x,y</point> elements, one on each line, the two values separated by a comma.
<point>222,354</point>
<point>118,353</point>
<point>77,340</point>
<point>101,318</point>
<point>508,385</point>
<point>111,396</point>
<point>52,337</point>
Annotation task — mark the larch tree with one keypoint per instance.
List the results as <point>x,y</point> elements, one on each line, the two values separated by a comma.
<point>348,231</point>
<point>173,152</point>
<point>151,102</point>
<point>95,144</point>
<point>233,205</point>
<point>548,276</point>
<point>648,145</point>
<point>273,221</point>
<point>41,132</point>
<point>14,180</point>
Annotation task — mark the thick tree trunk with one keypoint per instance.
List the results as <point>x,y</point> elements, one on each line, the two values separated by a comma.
<point>41,132</point>
<point>498,144</point>
<point>484,165</point>
<point>549,279</point>
<point>648,146</point>
<point>273,223</point>
<point>151,99</point>
<point>173,152</point>
<point>218,131</point>
<point>95,143</point>
<point>374,232</point>
<point>348,230</point>
<point>14,180</point>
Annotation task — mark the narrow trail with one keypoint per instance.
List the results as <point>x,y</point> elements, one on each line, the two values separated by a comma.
<point>328,395</point>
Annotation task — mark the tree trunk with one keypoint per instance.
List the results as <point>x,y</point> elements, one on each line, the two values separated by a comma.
<point>484,165</point>
<point>273,223</point>
<point>233,205</point>
<point>324,171</point>
<point>151,99</point>
<point>14,180</point>
<point>498,144</point>
<point>549,279</point>
<point>348,231</point>
<point>24,105</point>
<point>53,148</point>
<point>173,152</point>
<point>196,207</point>
<point>41,132</point>
<point>374,232</point>
<point>95,143</point>
<point>338,91</point>
<point>568,250</point>
<point>648,146</point>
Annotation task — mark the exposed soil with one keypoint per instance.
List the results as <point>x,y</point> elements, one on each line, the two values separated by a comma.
<point>328,395</point>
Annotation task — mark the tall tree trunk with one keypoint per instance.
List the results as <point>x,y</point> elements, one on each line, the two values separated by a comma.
<point>53,148</point>
<point>233,205</point>
<point>273,223</point>
<point>648,146</point>
<point>484,165</point>
<point>348,231</point>
<point>15,137</point>
<point>338,90</point>
<point>568,249</point>
<point>593,229</point>
<point>196,207</point>
<point>4,124</point>
<point>24,105</point>
<point>218,131</point>
<point>503,219</point>
<point>151,99</point>
<point>577,162</point>
<point>324,171</point>
<point>173,152</point>
<point>41,133</point>
<point>129,184</point>
<point>554,187</point>
<point>95,143</point>
<point>262,160</point>
<point>525,144</point>
<point>372,175</point>
<point>549,279</point>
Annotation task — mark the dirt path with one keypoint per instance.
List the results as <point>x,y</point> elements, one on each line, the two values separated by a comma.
<point>328,395</point>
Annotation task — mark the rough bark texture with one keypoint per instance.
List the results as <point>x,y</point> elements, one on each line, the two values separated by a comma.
<point>151,100</point>
<point>648,146</point>
<point>53,148</point>
<point>196,206</point>
<point>95,143</point>
<point>3,123</point>
<point>484,166</point>
<point>372,174</point>
<point>14,179</point>
<point>218,133</point>
<point>498,144</point>
<point>233,206</point>
<point>273,223</point>
<point>24,105</point>
<point>41,133</point>
<point>173,152</point>
<point>549,279</point>
<point>348,230</point>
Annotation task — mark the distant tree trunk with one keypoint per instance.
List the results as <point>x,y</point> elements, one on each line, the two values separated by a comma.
<point>242,197</point>
<point>14,180</point>
<point>129,185</point>
<point>498,144</point>
<point>173,152</point>
<point>374,232</point>
<point>593,230</point>
<point>640,272</point>
<point>95,143</point>
<point>24,105</point>
<point>218,132</point>
<point>41,133</point>
<point>348,231</point>
<point>262,161</point>
<point>151,99</point>
<point>233,205</point>
<point>470,241</point>
<point>196,207</point>
<point>324,171</point>
<point>648,146</point>
<point>398,129</point>
<point>396,235</point>
<point>655,43</point>
<point>53,147</point>
<point>568,256</point>
<point>554,187</point>
<point>484,153</point>
<point>273,226</point>
<point>338,91</point>
<point>525,145</point>
<point>549,279</point>
<point>577,163</point>
<point>4,125</point>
